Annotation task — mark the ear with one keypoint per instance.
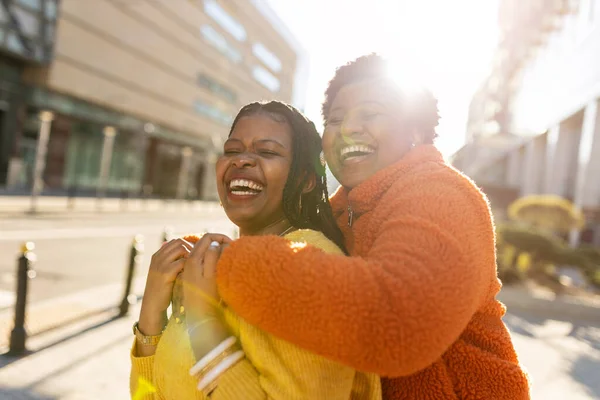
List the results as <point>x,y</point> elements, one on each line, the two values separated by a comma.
<point>310,184</point>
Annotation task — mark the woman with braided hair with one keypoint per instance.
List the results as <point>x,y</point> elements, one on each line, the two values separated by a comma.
<point>416,300</point>
<point>271,182</point>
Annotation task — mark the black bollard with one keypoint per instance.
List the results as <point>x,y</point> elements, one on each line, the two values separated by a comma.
<point>25,271</point>
<point>137,248</point>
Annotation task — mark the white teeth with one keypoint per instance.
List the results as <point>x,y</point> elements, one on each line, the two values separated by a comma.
<point>245,183</point>
<point>357,149</point>
<point>243,193</point>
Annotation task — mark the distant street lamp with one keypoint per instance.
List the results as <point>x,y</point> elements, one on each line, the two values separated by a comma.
<point>39,165</point>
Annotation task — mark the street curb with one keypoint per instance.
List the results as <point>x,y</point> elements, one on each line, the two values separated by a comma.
<point>549,305</point>
<point>55,204</point>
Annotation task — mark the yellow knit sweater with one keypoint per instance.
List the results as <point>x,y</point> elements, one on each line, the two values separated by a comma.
<point>273,368</point>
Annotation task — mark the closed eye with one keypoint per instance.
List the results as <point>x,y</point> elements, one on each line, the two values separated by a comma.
<point>268,153</point>
<point>231,151</point>
<point>371,116</point>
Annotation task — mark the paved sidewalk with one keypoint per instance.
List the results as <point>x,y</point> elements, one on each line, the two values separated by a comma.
<point>79,349</point>
<point>89,360</point>
<point>90,365</point>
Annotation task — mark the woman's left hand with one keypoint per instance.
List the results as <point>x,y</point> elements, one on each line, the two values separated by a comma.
<point>200,295</point>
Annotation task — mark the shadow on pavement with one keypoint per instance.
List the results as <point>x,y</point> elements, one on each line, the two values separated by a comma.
<point>21,394</point>
<point>77,361</point>
<point>584,367</point>
<point>7,359</point>
<point>586,370</point>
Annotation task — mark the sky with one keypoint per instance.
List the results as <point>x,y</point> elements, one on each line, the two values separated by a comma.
<point>452,42</point>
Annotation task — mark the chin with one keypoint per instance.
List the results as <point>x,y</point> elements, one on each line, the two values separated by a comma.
<point>351,181</point>
<point>241,217</point>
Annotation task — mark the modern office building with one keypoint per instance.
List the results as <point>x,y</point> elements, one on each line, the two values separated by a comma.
<point>534,126</point>
<point>136,96</point>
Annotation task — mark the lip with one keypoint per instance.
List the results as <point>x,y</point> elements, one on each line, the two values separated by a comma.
<point>356,159</point>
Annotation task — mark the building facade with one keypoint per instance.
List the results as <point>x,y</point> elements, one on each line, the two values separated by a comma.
<point>534,125</point>
<point>141,93</point>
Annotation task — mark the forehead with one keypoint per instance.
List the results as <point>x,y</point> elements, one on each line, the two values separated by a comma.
<point>262,127</point>
<point>355,94</point>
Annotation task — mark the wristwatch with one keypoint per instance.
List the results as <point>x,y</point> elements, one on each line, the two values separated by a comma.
<point>143,339</point>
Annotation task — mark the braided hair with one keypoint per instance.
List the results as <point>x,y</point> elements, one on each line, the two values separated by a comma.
<point>309,210</point>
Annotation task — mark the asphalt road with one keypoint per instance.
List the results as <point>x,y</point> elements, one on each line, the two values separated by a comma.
<point>79,251</point>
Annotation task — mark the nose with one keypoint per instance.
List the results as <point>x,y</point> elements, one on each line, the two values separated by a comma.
<point>244,160</point>
<point>352,125</point>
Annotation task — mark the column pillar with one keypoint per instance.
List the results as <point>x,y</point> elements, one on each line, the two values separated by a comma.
<point>587,190</point>
<point>46,118</point>
<point>184,172</point>
<point>107,150</point>
<point>210,180</point>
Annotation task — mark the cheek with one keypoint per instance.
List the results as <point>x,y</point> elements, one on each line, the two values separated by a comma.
<point>393,141</point>
<point>276,173</point>
<point>220,168</point>
<point>328,143</point>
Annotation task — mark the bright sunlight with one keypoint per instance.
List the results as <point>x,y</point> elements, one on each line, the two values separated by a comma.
<point>451,42</point>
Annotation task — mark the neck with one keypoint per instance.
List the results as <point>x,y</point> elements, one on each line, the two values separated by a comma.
<point>276,228</point>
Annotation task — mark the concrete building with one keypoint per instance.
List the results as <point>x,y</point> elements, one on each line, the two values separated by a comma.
<point>534,125</point>
<point>137,95</point>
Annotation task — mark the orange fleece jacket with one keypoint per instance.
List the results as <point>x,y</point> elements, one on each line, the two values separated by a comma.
<point>416,301</point>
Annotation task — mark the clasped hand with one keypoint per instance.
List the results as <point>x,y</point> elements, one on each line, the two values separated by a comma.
<point>200,294</point>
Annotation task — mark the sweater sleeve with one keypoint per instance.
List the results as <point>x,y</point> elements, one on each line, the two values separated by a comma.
<point>392,312</point>
<point>141,378</point>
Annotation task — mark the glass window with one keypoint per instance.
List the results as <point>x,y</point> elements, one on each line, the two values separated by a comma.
<point>220,43</point>
<point>33,4</point>
<point>215,87</point>
<point>39,52</point>
<point>267,57</point>
<point>212,112</point>
<point>51,9</point>
<point>28,22</point>
<point>50,33</point>
<point>226,21</point>
<point>266,79</point>
<point>14,43</point>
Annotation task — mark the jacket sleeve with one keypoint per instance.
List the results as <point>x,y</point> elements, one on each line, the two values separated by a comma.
<point>392,312</point>
<point>275,369</point>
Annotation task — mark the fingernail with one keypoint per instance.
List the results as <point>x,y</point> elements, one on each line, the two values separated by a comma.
<point>214,244</point>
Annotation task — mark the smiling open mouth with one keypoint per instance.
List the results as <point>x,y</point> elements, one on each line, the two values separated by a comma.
<point>244,187</point>
<point>354,152</point>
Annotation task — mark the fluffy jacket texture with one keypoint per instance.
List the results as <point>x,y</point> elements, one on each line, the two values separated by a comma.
<point>415,302</point>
